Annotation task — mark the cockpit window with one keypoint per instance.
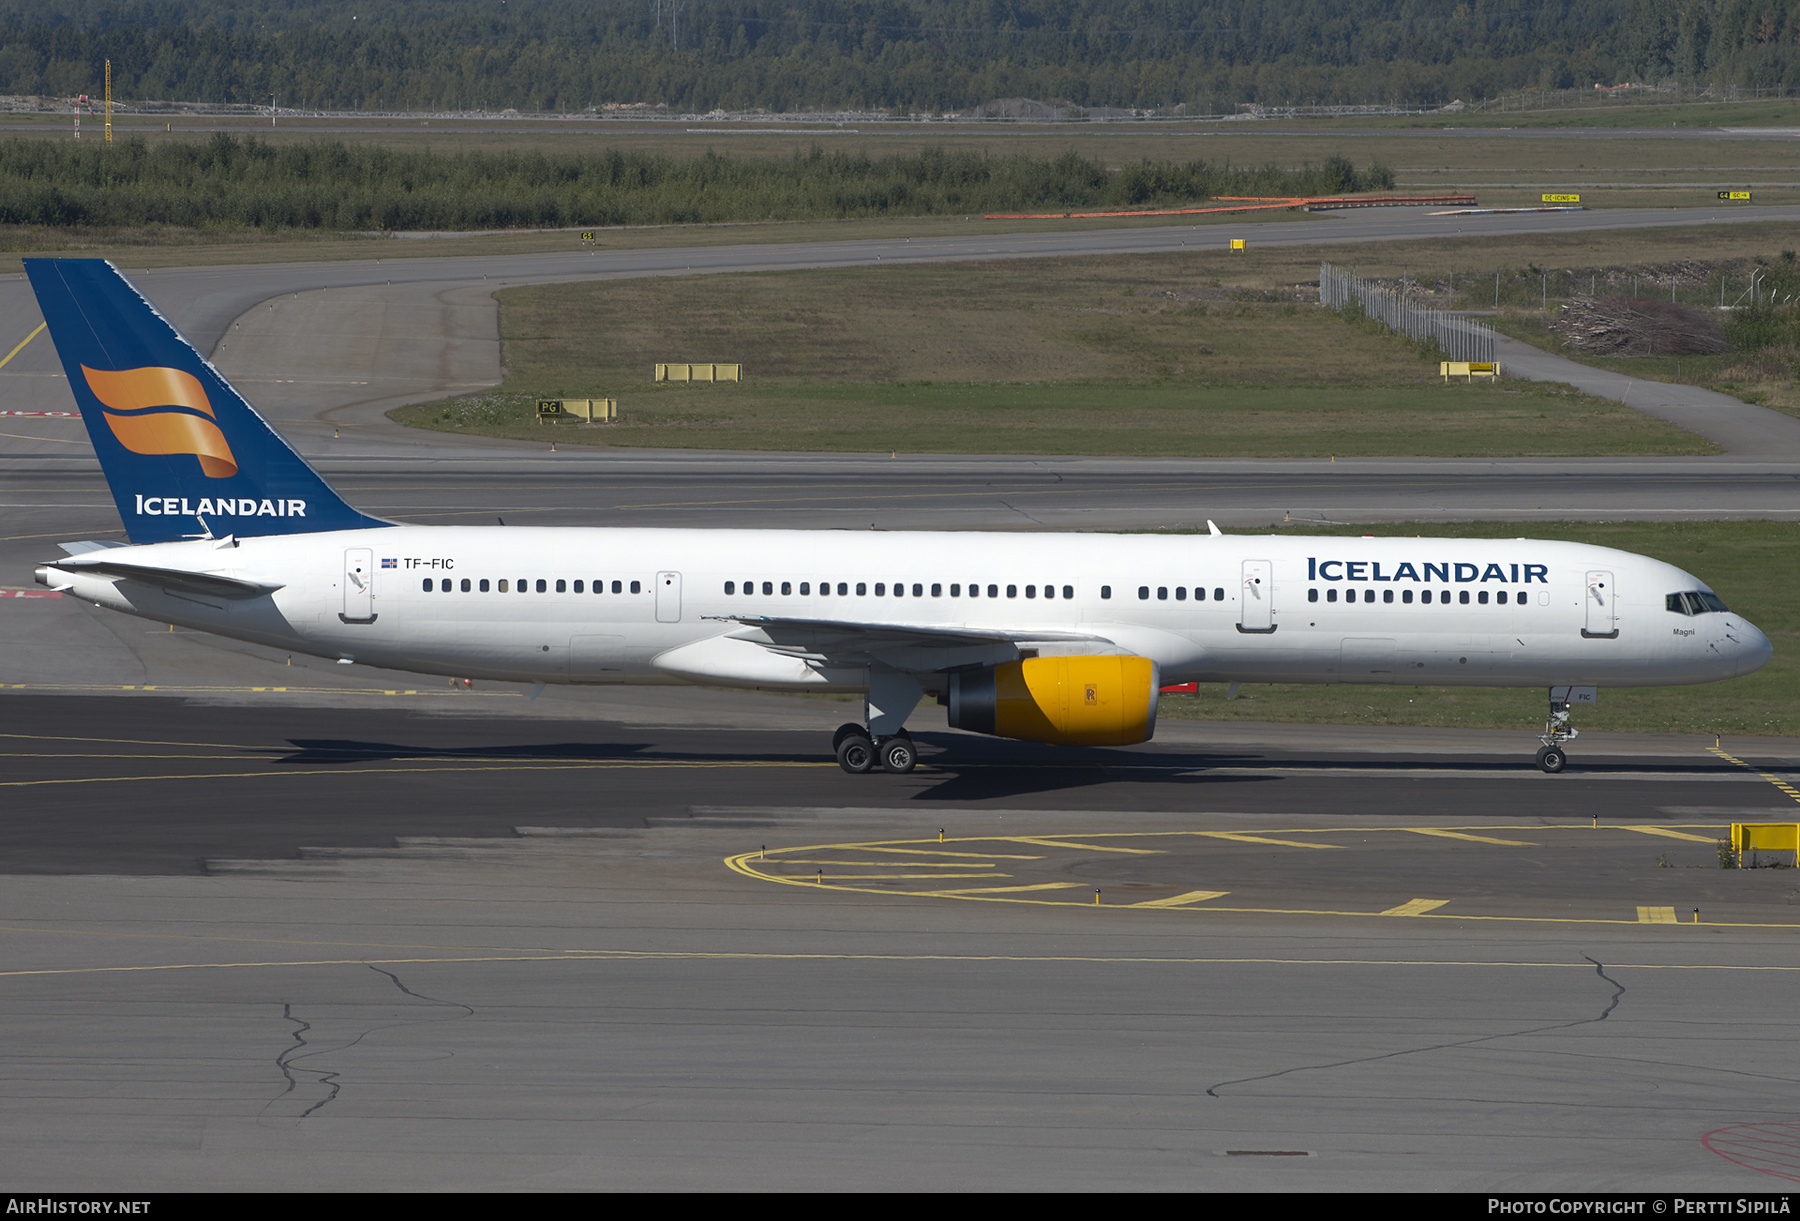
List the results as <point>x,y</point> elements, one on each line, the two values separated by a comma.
<point>1696,602</point>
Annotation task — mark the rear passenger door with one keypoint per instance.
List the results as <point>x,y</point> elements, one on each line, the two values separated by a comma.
<point>668,597</point>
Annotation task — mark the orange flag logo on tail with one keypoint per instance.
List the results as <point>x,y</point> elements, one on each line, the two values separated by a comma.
<point>130,397</point>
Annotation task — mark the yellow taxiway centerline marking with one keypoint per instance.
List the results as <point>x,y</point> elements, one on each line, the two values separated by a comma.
<point>1656,915</point>
<point>995,890</point>
<point>1192,896</point>
<point>20,346</point>
<point>1668,834</point>
<point>888,877</point>
<point>790,860</point>
<point>1045,841</point>
<point>1479,839</point>
<point>1415,907</point>
<point>1245,838</point>
<point>1777,781</point>
<point>927,852</point>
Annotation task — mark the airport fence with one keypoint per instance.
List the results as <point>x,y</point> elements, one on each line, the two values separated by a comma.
<point>1458,338</point>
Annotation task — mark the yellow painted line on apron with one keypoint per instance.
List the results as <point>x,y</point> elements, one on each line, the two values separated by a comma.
<point>998,890</point>
<point>1044,841</point>
<point>1668,834</point>
<point>999,856</point>
<point>1244,838</point>
<point>1415,907</point>
<point>789,860</point>
<point>20,346</point>
<point>1777,781</point>
<point>1656,915</point>
<point>1192,896</point>
<point>891,877</point>
<point>1479,839</point>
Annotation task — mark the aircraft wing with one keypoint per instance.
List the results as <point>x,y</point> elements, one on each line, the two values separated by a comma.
<point>911,647</point>
<point>176,580</point>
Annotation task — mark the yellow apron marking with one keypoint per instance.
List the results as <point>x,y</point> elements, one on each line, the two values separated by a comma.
<point>1656,915</point>
<point>20,346</point>
<point>1777,781</point>
<point>996,890</point>
<point>999,856</point>
<point>1192,896</point>
<point>1045,841</point>
<point>1244,838</point>
<point>1479,839</point>
<point>1415,907</point>
<point>887,877</point>
<point>1668,834</point>
<point>789,860</point>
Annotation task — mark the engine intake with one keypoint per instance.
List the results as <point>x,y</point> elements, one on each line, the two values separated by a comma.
<point>1065,701</point>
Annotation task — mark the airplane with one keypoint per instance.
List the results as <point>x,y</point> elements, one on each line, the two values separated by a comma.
<point>1065,639</point>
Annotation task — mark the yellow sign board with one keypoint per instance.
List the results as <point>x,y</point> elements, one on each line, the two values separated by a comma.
<point>1743,195</point>
<point>1562,199</point>
<point>1237,243</point>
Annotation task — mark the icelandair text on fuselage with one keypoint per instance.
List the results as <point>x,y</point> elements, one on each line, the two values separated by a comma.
<point>1766,1206</point>
<point>1370,570</point>
<point>223,506</point>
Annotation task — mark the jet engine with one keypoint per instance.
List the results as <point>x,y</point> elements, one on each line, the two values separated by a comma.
<point>1065,701</point>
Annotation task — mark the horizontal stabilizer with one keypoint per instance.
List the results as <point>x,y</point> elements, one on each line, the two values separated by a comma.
<point>208,584</point>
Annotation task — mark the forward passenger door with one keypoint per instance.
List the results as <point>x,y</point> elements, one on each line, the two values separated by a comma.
<point>1256,597</point>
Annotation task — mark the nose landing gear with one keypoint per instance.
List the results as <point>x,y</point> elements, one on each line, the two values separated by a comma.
<point>1551,757</point>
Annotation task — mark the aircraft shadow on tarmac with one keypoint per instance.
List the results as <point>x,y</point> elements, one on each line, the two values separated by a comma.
<point>956,768</point>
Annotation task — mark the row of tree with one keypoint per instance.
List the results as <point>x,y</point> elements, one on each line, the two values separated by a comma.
<point>225,182</point>
<point>911,55</point>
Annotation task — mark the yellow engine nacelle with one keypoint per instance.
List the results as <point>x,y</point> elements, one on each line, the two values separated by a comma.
<point>1066,701</point>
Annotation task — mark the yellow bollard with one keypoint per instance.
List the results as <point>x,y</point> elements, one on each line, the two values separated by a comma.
<point>1096,896</point>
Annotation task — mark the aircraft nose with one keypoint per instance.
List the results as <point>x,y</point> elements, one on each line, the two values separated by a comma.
<point>1753,648</point>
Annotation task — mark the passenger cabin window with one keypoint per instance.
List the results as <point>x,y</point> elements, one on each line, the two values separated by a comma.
<point>636,588</point>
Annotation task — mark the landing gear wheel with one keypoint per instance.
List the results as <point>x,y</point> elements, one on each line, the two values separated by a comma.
<point>1552,760</point>
<point>847,730</point>
<point>898,755</point>
<point>855,753</point>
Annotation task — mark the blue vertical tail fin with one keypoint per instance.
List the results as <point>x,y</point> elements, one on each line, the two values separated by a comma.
<point>184,453</point>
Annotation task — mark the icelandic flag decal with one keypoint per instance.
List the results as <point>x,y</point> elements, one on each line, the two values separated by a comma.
<point>390,563</point>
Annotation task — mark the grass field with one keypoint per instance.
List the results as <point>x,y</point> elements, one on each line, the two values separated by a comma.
<point>1114,355</point>
<point>1749,564</point>
<point>1429,154</point>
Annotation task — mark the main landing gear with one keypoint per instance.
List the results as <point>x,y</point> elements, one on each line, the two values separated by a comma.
<point>1551,756</point>
<point>857,752</point>
<point>885,743</point>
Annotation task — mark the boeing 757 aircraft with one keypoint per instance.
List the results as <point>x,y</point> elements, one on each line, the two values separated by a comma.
<point>1056,638</point>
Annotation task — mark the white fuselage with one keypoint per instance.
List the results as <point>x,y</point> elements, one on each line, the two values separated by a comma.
<point>645,606</point>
